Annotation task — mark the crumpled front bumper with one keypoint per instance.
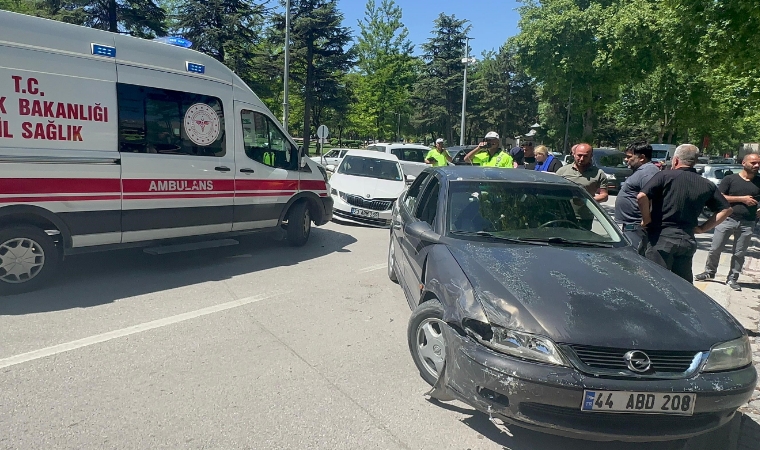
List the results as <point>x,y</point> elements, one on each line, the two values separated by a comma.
<point>548,398</point>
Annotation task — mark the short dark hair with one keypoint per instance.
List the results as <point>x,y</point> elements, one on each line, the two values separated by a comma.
<point>640,148</point>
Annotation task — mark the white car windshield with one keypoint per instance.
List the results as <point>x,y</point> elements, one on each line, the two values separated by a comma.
<point>527,211</point>
<point>361,166</point>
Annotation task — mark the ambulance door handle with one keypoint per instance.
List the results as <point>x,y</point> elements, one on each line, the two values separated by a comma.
<point>222,169</point>
<point>246,170</point>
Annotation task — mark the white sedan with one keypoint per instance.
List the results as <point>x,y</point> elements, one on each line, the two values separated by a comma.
<point>332,157</point>
<point>365,187</point>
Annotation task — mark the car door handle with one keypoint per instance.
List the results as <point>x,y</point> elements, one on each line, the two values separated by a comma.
<point>246,170</point>
<point>222,169</point>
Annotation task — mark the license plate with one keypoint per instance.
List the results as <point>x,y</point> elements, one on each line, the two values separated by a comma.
<point>365,213</point>
<point>638,402</point>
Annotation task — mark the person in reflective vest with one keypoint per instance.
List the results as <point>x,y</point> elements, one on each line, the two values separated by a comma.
<point>268,158</point>
<point>489,153</point>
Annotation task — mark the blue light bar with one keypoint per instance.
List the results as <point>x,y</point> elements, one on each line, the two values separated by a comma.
<point>175,40</point>
<point>103,50</point>
<point>195,67</point>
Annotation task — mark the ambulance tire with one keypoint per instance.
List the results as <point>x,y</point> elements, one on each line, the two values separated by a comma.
<point>299,224</point>
<point>44,252</point>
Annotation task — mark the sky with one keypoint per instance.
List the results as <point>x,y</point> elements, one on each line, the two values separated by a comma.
<point>493,21</point>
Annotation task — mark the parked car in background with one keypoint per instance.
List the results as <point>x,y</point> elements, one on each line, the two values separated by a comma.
<point>458,152</point>
<point>663,152</point>
<point>612,163</point>
<point>365,187</point>
<point>531,316</point>
<point>332,157</point>
<point>716,172</point>
<point>411,156</point>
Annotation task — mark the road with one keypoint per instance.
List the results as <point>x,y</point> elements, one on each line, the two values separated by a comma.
<point>258,345</point>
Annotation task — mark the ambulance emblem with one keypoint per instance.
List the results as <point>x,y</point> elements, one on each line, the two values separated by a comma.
<point>202,124</point>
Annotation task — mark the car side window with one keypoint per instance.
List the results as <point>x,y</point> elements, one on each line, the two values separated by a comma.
<point>399,153</point>
<point>410,199</point>
<point>428,204</point>
<point>332,154</point>
<point>265,143</point>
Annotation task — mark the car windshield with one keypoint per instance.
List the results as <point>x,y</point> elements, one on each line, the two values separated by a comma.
<point>659,154</point>
<point>527,211</point>
<point>612,160</point>
<point>361,166</point>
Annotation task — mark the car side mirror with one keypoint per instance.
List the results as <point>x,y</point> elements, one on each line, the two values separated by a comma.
<point>422,231</point>
<point>410,179</point>
<point>330,168</point>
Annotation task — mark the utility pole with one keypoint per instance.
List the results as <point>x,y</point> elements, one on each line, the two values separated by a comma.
<point>285,105</point>
<point>398,128</point>
<point>567,122</point>
<point>466,61</point>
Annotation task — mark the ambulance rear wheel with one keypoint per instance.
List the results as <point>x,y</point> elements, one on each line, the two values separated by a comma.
<point>299,224</point>
<point>28,259</point>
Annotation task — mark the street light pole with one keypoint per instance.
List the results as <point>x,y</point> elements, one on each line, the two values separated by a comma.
<point>567,122</point>
<point>285,105</point>
<point>398,128</point>
<point>466,61</point>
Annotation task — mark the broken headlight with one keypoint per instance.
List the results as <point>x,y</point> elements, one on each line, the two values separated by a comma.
<point>517,343</point>
<point>729,355</point>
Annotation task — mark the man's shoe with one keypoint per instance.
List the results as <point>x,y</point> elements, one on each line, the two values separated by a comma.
<point>704,276</point>
<point>733,284</point>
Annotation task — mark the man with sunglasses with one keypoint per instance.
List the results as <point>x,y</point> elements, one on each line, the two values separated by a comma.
<point>489,153</point>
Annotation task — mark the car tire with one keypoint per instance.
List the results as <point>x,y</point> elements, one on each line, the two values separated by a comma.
<point>392,262</point>
<point>299,224</point>
<point>426,341</point>
<point>35,256</point>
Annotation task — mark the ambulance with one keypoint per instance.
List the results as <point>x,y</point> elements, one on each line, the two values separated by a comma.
<point>110,141</point>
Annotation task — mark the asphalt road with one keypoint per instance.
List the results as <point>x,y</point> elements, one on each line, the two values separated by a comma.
<point>257,346</point>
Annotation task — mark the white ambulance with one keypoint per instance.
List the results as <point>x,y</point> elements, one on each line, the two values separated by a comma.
<point>109,141</point>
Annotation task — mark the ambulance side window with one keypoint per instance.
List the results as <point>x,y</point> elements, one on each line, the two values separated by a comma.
<point>169,122</point>
<point>265,143</point>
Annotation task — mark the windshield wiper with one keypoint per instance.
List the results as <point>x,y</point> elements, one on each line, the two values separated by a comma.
<point>563,241</point>
<point>489,235</point>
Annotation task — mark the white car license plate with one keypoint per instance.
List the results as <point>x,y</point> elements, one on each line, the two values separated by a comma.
<point>638,402</point>
<point>365,213</point>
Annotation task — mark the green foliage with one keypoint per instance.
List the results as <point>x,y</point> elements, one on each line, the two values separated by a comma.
<point>141,18</point>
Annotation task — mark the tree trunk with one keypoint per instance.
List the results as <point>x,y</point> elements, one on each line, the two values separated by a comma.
<point>113,20</point>
<point>588,124</point>
<point>309,92</point>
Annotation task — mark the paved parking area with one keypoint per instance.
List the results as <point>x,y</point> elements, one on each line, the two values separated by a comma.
<point>253,346</point>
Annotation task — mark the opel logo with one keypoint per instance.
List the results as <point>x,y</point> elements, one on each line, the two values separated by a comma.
<point>637,361</point>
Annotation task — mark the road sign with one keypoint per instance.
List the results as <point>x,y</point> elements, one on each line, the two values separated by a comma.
<point>322,132</point>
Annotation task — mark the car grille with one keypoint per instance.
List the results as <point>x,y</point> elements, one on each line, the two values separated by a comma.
<point>624,424</point>
<point>378,204</point>
<point>663,362</point>
<point>364,220</point>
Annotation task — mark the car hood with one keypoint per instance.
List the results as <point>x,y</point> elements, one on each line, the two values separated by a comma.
<point>363,186</point>
<point>608,297</point>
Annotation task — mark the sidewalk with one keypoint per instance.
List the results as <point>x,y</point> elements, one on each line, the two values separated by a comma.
<point>744,305</point>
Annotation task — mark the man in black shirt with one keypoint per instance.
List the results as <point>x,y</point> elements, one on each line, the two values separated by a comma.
<point>677,197</point>
<point>742,190</point>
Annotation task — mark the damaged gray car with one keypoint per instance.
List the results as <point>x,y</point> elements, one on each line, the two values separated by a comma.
<point>529,305</point>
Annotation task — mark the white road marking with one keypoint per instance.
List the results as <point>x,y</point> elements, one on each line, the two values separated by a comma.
<point>98,338</point>
<point>372,268</point>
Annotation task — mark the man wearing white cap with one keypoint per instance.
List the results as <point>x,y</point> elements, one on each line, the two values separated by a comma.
<point>489,153</point>
<point>438,156</point>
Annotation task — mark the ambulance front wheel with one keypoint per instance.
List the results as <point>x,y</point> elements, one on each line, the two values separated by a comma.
<point>28,259</point>
<point>299,224</point>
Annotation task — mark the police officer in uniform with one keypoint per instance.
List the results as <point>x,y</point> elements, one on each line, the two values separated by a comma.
<point>489,153</point>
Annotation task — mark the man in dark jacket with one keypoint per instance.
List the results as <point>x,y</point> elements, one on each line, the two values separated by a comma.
<point>638,156</point>
<point>677,197</point>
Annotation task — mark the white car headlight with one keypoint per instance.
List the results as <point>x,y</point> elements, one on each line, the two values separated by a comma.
<point>521,345</point>
<point>729,355</point>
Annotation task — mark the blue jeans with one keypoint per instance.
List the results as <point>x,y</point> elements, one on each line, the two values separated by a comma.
<point>742,233</point>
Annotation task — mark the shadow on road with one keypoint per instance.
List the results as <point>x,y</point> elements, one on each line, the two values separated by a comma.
<point>742,433</point>
<point>98,278</point>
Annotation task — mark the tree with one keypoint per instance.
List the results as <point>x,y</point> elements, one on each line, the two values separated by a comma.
<point>227,30</point>
<point>387,69</point>
<point>438,91</point>
<point>141,18</point>
<point>320,52</point>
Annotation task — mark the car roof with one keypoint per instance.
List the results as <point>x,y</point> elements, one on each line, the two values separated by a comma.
<point>455,173</point>
<point>372,154</point>
<point>607,150</point>
<point>402,145</point>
